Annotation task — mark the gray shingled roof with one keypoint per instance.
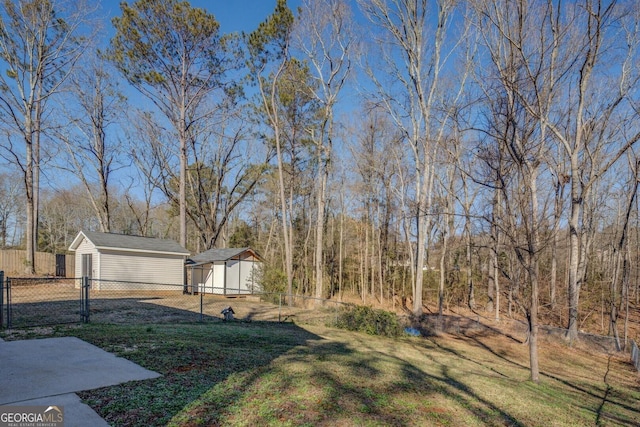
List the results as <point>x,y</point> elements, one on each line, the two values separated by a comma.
<point>143,244</point>
<point>218,255</point>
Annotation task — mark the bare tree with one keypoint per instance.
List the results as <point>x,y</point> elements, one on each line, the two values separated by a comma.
<point>10,209</point>
<point>375,176</point>
<point>577,81</point>
<point>268,58</point>
<point>39,45</point>
<point>149,158</point>
<point>92,152</point>
<point>415,39</point>
<point>619,289</point>
<point>588,130</point>
<point>324,34</point>
<point>174,55</point>
<point>225,171</point>
<point>508,30</point>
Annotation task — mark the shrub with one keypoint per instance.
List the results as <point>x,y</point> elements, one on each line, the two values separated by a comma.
<point>369,320</point>
<point>272,279</point>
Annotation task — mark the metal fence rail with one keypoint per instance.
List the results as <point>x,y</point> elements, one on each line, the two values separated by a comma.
<point>113,301</point>
<point>40,302</point>
<point>30,302</point>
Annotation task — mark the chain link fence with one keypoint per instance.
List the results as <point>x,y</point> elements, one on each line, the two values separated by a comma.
<point>40,301</point>
<point>32,302</point>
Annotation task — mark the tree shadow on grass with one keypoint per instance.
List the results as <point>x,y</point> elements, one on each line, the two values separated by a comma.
<point>211,367</point>
<point>607,397</point>
<point>329,383</point>
<point>123,310</point>
<point>604,395</point>
<point>193,359</point>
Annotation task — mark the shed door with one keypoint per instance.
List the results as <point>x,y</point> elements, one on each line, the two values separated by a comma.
<point>87,265</point>
<point>61,265</point>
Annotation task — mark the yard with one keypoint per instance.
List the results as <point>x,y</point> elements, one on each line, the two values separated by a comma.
<point>39,302</point>
<point>269,373</point>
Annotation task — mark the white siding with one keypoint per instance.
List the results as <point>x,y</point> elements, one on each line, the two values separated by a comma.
<point>254,279</point>
<point>240,276</point>
<point>245,276</point>
<point>209,278</point>
<point>199,277</point>
<point>233,278</point>
<point>86,247</point>
<point>146,269</point>
<point>233,284</point>
<point>218,278</point>
<point>248,276</point>
<point>203,279</point>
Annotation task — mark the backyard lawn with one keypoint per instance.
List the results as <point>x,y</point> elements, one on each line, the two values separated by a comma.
<point>268,373</point>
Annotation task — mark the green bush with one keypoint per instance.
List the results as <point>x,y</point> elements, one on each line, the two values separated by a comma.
<point>369,320</point>
<point>273,279</point>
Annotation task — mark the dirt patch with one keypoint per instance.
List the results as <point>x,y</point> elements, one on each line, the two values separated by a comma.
<point>149,307</point>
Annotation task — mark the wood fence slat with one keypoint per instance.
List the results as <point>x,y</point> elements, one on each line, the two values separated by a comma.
<point>13,262</point>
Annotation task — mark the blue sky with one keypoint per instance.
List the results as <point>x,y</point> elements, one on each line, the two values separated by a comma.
<point>240,15</point>
<point>233,15</point>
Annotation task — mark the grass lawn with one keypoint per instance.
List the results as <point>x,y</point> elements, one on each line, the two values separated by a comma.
<point>260,374</point>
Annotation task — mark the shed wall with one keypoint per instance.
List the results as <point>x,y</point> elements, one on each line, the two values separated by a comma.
<point>231,278</point>
<point>218,278</point>
<point>199,277</point>
<point>248,272</point>
<point>86,247</point>
<point>149,269</point>
<point>234,286</point>
<point>240,276</point>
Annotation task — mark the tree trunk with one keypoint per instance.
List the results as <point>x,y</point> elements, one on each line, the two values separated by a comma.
<point>341,245</point>
<point>472,299</point>
<point>495,267</point>
<point>556,239</point>
<point>419,262</point>
<point>443,256</point>
<point>533,278</point>
<point>320,228</point>
<point>574,251</point>
<point>182,190</point>
<point>30,199</point>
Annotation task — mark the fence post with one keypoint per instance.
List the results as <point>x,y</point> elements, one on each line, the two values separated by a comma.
<point>279,306</point>
<point>1,299</point>
<point>8,303</point>
<point>85,299</point>
<point>201,291</point>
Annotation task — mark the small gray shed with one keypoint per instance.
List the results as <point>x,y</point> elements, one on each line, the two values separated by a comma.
<point>144,262</point>
<point>231,271</point>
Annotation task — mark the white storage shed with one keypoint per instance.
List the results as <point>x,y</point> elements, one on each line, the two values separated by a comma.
<point>231,271</point>
<point>123,262</point>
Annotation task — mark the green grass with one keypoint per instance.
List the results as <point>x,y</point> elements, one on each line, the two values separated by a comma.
<point>271,374</point>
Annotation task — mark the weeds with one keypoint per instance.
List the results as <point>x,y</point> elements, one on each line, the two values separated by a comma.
<point>369,320</point>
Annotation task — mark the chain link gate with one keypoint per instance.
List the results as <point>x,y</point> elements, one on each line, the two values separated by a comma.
<point>43,301</point>
<point>5,301</point>
<point>84,300</point>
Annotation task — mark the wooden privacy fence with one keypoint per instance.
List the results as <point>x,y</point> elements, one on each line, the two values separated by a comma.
<point>13,262</point>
